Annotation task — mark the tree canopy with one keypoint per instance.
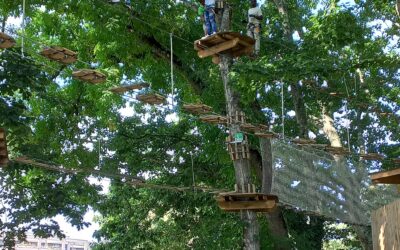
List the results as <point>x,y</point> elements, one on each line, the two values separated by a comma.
<point>330,59</point>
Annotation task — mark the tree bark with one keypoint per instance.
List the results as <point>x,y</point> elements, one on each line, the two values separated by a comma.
<point>251,229</point>
<point>242,166</point>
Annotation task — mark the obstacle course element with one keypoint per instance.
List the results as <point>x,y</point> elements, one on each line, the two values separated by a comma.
<point>386,226</point>
<point>232,43</point>
<point>126,88</point>
<point>266,135</point>
<point>3,148</point>
<point>238,150</point>
<point>197,109</point>
<point>6,41</point>
<point>337,150</point>
<point>246,200</point>
<point>60,54</point>
<point>302,141</point>
<point>396,161</point>
<point>213,119</point>
<point>89,75</point>
<point>372,157</point>
<point>248,127</point>
<point>152,99</point>
<point>386,177</point>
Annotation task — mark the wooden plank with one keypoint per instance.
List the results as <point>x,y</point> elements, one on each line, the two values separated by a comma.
<point>125,88</point>
<point>385,224</point>
<point>6,41</point>
<point>236,206</point>
<point>386,177</point>
<point>2,134</point>
<point>302,141</point>
<point>218,48</point>
<point>3,161</point>
<point>372,156</point>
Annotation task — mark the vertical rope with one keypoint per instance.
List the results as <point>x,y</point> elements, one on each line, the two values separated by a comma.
<point>172,67</point>
<point>191,157</point>
<point>23,28</point>
<point>99,152</point>
<point>347,115</point>
<point>283,110</point>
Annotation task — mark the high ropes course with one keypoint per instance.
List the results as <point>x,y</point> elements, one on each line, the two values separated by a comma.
<point>306,177</point>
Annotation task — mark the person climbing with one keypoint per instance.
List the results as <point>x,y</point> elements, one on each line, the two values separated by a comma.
<point>200,12</point>
<point>254,24</point>
<point>127,2</point>
<point>209,16</point>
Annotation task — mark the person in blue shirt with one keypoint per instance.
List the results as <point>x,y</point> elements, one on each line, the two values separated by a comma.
<point>127,2</point>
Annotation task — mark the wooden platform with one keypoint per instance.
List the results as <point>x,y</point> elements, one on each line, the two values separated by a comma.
<point>232,43</point>
<point>213,119</point>
<point>90,76</point>
<point>234,202</point>
<point>126,88</point>
<point>3,148</point>
<point>197,109</point>
<point>60,54</point>
<point>386,177</point>
<point>372,157</point>
<point>6,41</point>
<point>396,161</point>
<point>153,99</point>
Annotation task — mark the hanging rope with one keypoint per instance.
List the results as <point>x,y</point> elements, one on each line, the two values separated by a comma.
<point>23,28</point>
<point>194,184</point>
<point>283,110</point>
<point>172,67</point>
<point>347,115</point>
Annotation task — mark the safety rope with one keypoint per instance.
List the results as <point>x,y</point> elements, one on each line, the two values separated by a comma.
<point>23,28</point>
<point>283,110</point>
<point>172,68</point>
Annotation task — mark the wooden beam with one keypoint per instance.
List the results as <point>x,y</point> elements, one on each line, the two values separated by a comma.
<point>246,205</point>
<point>386,177</point>
<point>218,48</point>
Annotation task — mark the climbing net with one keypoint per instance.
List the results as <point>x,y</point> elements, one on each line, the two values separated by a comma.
<point>333,186</point>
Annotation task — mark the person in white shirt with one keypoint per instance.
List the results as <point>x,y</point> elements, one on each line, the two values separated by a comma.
<point>254,24</point>
<point>209,16</point>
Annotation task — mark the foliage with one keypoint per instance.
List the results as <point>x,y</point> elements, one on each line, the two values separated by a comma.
<point>54,118</point>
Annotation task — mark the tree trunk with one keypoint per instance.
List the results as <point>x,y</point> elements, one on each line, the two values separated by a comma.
<point>242,166</point>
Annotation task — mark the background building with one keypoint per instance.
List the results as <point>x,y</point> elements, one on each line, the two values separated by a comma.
<point>33,243</point>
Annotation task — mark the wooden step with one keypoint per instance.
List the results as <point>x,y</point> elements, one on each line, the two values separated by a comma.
<point>126,88</point>
<point>153,99</point>
<point>337,150</point>
<point>213,119</point>
<point>267,135</point>
<point>234,202</point>
<point>3,148</point>
<point>302,141</point>
<point>372,156</point>
<point>232,43</point>
<point>197,109</point>
<point>6,41</point>
<point>386,177</point>
<point>60,54</point>
<point>89,75</point>
<point>248,127</point>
